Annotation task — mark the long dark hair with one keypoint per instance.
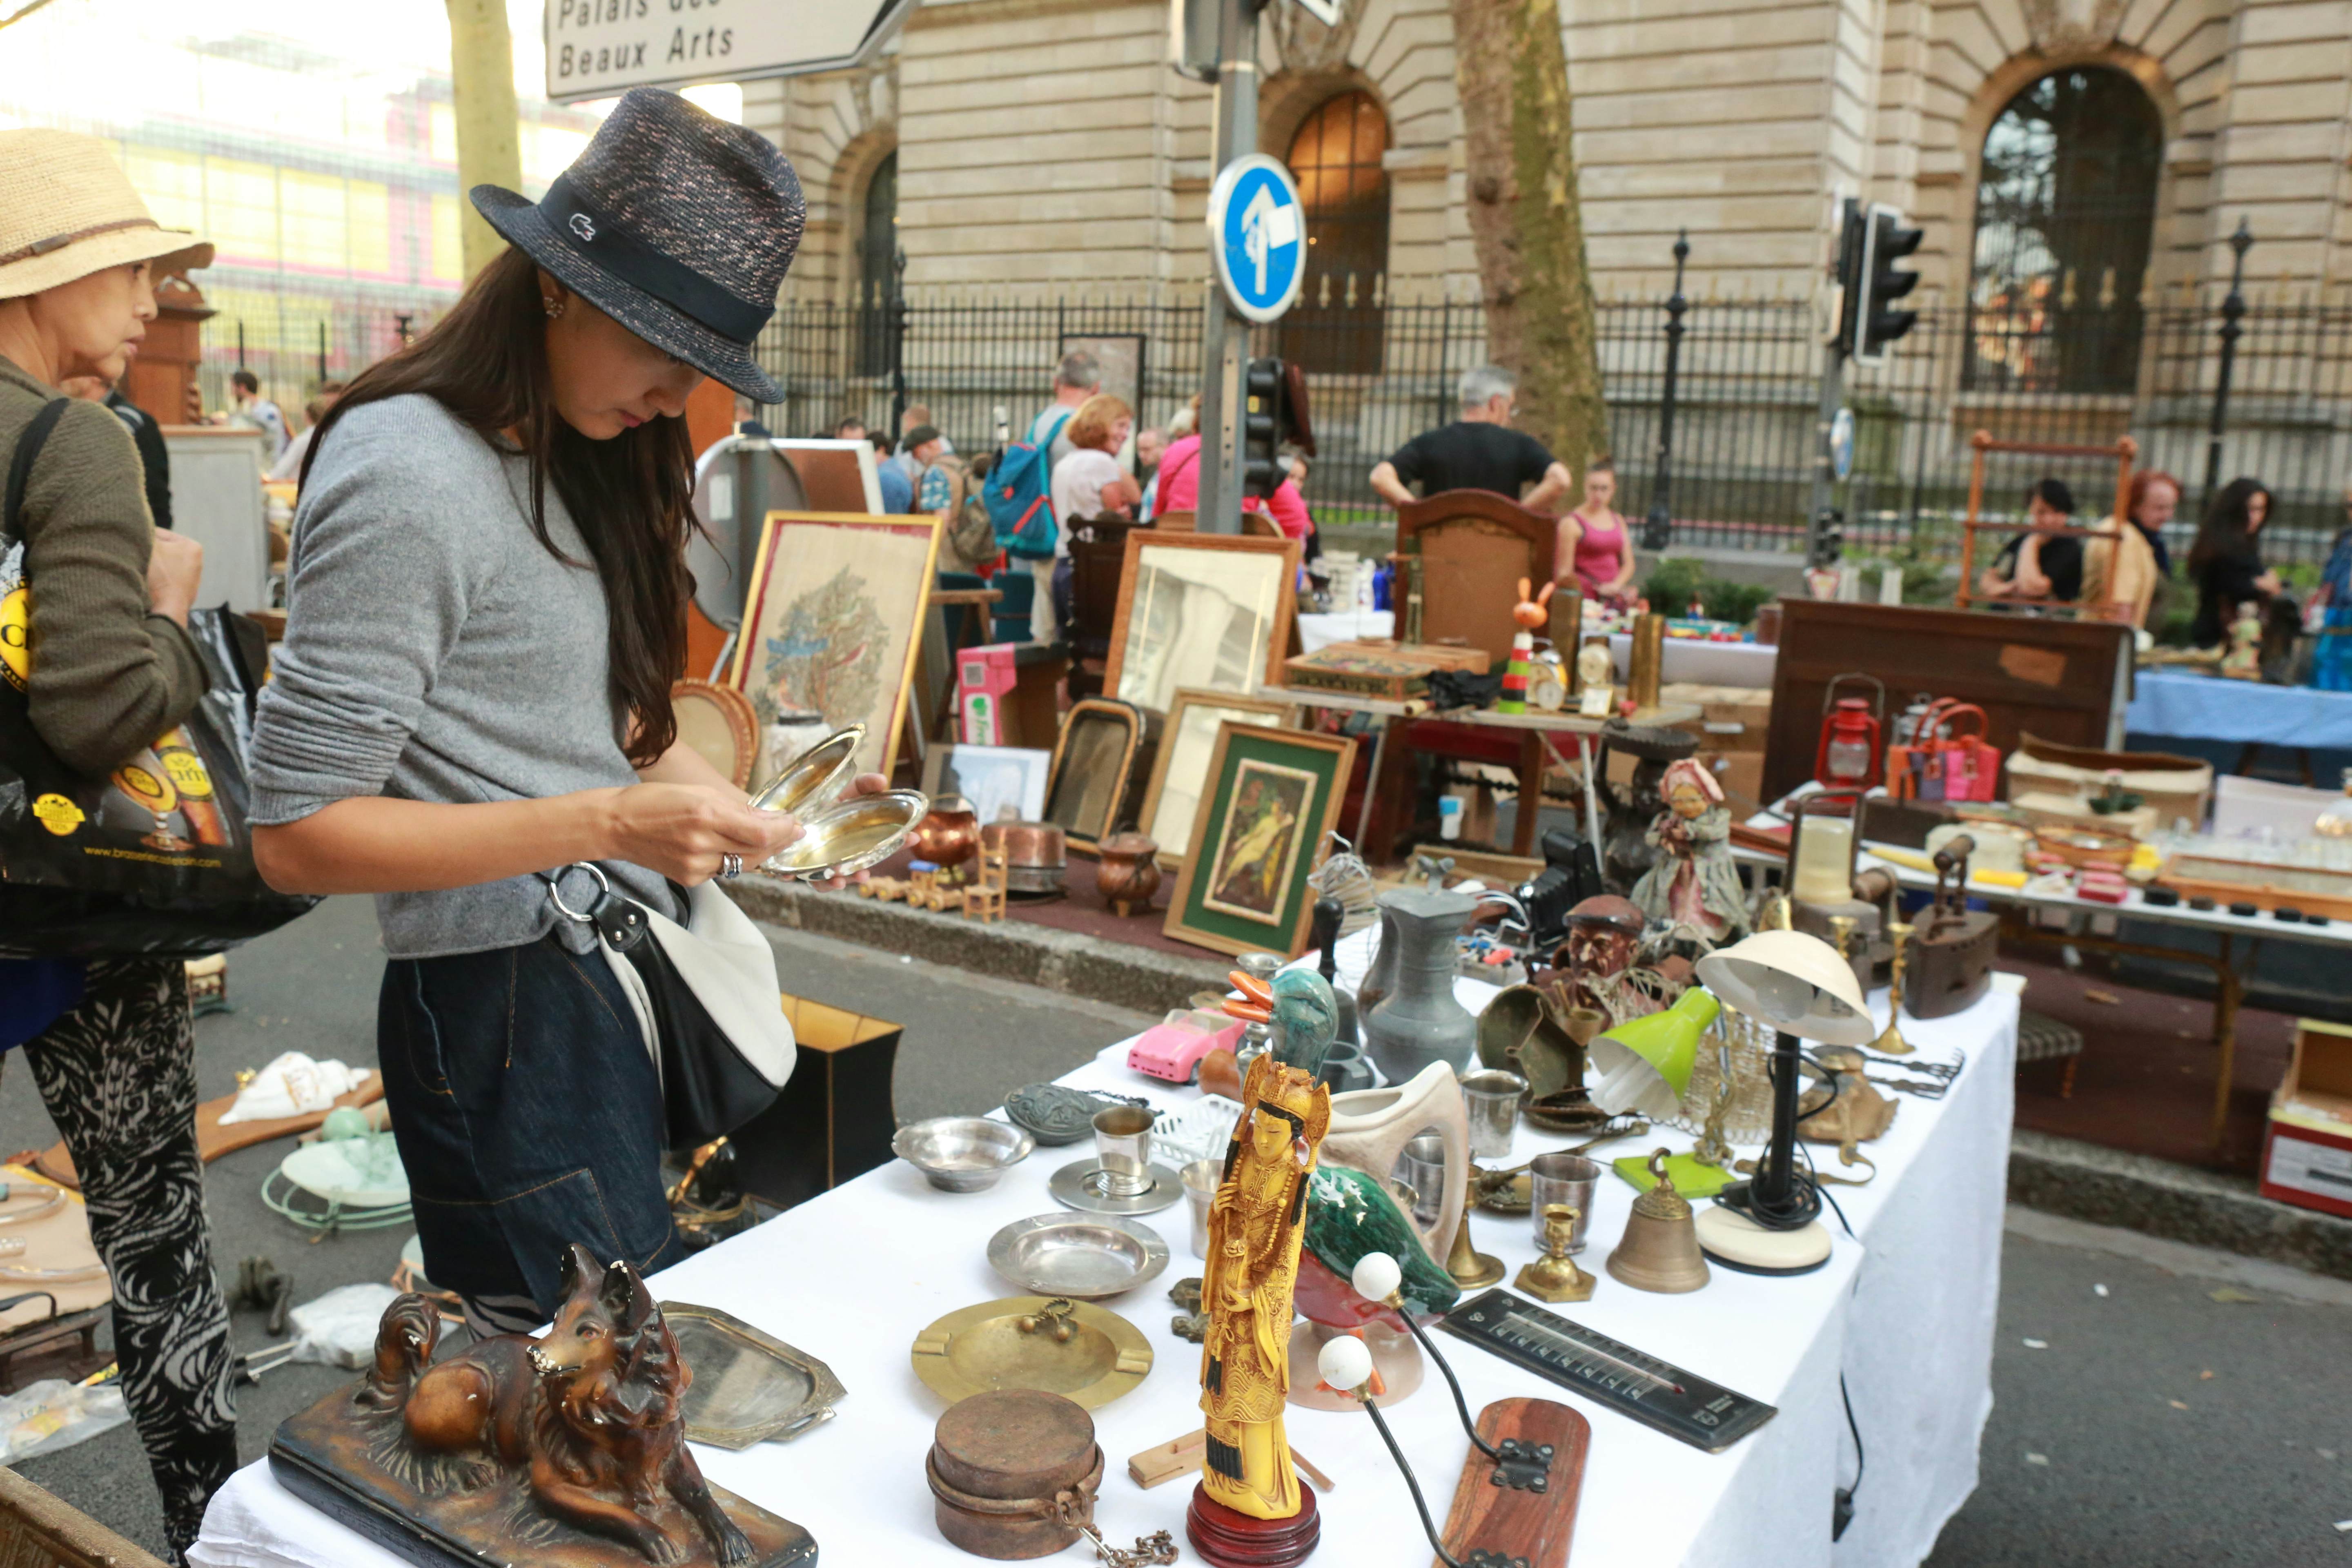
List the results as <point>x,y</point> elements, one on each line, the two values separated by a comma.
<point>486,362</point>
<point>2224,534</point>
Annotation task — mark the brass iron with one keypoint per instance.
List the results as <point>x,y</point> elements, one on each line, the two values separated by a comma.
<point>1081,1351</point>
<point>1891,1043</point>
<point>1659,1250</point>
<point>842,839</point>
<point>1555,1277</point>
<point>815,777</point>
<point>1471,1268</point>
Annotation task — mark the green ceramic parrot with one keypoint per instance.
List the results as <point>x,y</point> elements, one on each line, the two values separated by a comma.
<point>1349,1215</point>
<point>1306,1019</point>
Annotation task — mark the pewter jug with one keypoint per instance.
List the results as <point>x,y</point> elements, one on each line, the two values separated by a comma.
<point>1416,1021</point>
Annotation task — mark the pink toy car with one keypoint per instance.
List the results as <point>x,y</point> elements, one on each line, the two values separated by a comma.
<point>1172,1048</point>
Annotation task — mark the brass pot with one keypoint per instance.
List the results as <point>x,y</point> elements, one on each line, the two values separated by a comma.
<point>949,835</point>
<point>1129,873</point>
<point>1035,854</point>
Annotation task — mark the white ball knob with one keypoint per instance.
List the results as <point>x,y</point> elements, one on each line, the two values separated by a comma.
<point>1377,1276</point>
<point>1345,1363</point>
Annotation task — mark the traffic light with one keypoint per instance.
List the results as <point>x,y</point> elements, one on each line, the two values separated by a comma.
<point>1876,323</point>
<point>1274,412</point>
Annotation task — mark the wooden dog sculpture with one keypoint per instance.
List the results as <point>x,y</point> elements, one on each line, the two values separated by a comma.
<point>591,1409</point>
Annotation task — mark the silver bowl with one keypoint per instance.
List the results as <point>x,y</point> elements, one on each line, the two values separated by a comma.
<point>842,839</point>
<point>1084,1257</point>
<point>962,1153</point>
<point>814,777</point>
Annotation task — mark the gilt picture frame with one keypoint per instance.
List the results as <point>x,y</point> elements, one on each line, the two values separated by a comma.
<point>1093,759</point>
<point>832,622</point>
<point>1210,610</point>
<point>1272,796</point>
<point>1179,770</point>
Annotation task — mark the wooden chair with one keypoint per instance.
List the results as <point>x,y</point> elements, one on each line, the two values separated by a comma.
<point>1098,556</point>
<point>1474,546</point>
<point>1176,521</point>
<point>2100,600</point>
<point>985,897</point>
<point>1265,527</point>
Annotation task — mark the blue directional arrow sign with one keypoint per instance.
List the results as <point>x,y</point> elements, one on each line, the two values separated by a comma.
<point>1258,235</point>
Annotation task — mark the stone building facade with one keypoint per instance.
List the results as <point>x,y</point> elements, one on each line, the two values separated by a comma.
<point>1028,147</point>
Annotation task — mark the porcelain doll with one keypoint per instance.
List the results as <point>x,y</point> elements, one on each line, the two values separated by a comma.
<point>1693,884</point>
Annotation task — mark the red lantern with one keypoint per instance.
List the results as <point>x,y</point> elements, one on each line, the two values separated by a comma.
<point>1848,756</point>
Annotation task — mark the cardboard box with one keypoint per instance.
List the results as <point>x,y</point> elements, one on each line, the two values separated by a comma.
<point>984,676</point>
<point>833,1120</point>
<point>2307,1147</point>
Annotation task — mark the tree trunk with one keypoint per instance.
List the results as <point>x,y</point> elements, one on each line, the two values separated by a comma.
<point>1511,70</point>
<point>489,139</point>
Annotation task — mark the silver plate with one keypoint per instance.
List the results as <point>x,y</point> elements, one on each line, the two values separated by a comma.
<point>1088,1258</point>
<point>845,838</point>
<point>749,1386</point>
<point>1078,1186</point>
<point>816,776</point>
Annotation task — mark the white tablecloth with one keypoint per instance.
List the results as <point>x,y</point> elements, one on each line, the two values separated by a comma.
<point>1685,658</point>
<point>1908,1313</point>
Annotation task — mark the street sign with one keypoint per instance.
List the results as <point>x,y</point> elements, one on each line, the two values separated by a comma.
<point>1257,237</point>
<point>600,49</point>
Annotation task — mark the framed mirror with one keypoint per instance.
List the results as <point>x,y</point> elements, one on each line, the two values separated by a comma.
<point>1092,760</point>
<point>717,724</point>
<point>1209,610</point>
<point>1180,771</point>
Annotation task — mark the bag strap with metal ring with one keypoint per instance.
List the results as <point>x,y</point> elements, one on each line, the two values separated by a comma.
<point>617,918</point>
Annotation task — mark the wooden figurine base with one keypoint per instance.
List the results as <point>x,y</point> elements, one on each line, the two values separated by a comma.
<point>1225,1539</point>
<point>1516,1524</point>
<point>353,1466</point>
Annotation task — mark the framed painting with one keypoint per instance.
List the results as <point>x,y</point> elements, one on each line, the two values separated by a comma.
<point>1210,610</point>
<point>1181,770</point>
<point>834,620</point>
<point>1272,796</point>
<point>1003,783</point>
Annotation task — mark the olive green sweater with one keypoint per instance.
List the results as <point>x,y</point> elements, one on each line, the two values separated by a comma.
<point>108,675</point>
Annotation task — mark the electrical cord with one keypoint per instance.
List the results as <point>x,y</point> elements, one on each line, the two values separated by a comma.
<point>1842,1510</point>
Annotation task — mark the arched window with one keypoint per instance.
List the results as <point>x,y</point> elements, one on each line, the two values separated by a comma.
<point>2066,219</point>
<point>1336,158</point>
<point>877,267</point>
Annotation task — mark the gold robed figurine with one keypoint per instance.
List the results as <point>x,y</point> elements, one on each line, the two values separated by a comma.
<point>1254,1226</point>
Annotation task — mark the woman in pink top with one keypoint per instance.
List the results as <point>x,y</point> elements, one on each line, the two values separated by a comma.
<point>1595,546</point>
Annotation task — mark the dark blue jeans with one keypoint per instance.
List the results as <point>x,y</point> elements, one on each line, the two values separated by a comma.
<point>529,1116</point>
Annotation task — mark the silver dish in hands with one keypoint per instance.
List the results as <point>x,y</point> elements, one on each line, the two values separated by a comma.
<point>847,837</point>
<point>1087,1257</point>
<point>816,777</point>
<point>962,1153</point>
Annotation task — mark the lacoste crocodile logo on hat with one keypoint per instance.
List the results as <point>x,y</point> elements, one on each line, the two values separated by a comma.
<point>583,226</point>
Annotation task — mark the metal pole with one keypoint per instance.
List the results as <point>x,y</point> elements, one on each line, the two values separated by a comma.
<point>897,345</point>
<point>2233,307</point>
<point>1854,299</point>
<point>1224,345</point>
<point>1659,528</point>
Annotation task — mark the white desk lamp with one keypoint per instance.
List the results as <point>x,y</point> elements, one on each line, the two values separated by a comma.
<point>1799,985</point>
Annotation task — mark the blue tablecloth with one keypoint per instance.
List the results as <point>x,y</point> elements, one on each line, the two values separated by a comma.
<point>2210,708</point>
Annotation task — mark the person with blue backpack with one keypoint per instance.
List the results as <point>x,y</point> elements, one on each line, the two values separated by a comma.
<point>1019,496</point>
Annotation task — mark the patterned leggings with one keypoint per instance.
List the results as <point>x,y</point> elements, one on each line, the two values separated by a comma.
<point>119,1076</point>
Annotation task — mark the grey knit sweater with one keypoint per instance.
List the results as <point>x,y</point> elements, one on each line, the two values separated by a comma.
<point>435,651</point>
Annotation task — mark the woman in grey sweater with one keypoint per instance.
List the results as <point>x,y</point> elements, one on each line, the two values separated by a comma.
<point>485,616</point>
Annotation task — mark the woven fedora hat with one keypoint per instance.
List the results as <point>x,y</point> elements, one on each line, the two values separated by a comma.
<point>674,223</point>
<point>67,210</point>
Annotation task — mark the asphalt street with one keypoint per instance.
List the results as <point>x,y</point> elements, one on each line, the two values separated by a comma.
<point>2155,1405</point>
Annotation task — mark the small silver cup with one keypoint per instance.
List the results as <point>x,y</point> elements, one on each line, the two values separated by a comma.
<point>1421,1166</point>
<point>1123,1148</point>
<point>1563,1179</point>
<point>1492,1099</point>
<point>1201,1191</point>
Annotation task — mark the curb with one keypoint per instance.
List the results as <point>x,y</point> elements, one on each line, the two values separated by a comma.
<point>2178,1202</point>
<point>1140,979</point>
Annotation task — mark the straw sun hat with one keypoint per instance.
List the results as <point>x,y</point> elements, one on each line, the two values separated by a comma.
<point>67,210</point>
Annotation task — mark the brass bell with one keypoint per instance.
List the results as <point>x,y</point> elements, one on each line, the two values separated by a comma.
<point>1471,1268</point>
<point>1659,1250</point>
<point>1555,1277</point>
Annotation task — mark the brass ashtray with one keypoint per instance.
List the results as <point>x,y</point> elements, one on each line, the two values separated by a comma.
<point>813,778</point>
<point>749,1387</point>
<point>861,831</point>
<point>1086,1353</point>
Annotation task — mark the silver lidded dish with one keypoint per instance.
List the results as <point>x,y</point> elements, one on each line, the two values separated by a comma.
<point>962,1153</point>
<point>816,777</point>
<point>847,837</point>
<point>1087,1257</point>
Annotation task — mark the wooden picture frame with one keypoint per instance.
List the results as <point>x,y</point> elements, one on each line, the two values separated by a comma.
<point>832,622</point>
<point>1253,577</point>
<point>1274,797</point>
<point>1186,749</point>
<point>1093,756</point>
<point>718,722</point>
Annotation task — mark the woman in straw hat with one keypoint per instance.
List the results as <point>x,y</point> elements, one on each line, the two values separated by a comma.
<point>107,666</point>
<point>485,612</point>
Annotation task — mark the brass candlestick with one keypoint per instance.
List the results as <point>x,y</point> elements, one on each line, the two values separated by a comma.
<point>1842,934</point>
<point>1713,1148</point>
<point>1471,1268</point>
<point>1555,1277</point>
<point>1891,1043</point>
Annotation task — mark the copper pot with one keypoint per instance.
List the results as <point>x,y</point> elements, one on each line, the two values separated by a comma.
<point>1035,854</point>
<point>1129,873</point>
<point>949,835</point>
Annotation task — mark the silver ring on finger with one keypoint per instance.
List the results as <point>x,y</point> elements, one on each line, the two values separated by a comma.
<point>731,866</point>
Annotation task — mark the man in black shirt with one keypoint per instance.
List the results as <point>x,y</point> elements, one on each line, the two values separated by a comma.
<point>1479,451</point>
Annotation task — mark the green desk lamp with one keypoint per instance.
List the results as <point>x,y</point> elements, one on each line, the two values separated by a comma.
<point>1645,1063</point>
